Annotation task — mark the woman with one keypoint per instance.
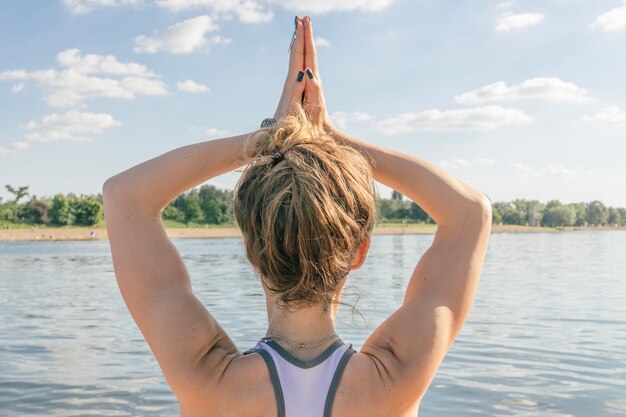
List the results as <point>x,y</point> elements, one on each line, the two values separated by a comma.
<point>305,205</point>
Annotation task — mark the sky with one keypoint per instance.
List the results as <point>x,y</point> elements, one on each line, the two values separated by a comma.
<point>519,99</point>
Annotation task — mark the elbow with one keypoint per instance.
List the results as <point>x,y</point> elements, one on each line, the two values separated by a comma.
<point>481,210</point>
<point>107,193</point>
<point>111,189</point>
<point>485,208</point>
<point>108,188</point>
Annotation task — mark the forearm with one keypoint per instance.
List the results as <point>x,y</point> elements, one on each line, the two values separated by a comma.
<point>153,184</point>
<point>444,197</point>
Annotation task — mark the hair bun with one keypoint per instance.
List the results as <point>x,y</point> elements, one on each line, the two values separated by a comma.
<point>277,156</point>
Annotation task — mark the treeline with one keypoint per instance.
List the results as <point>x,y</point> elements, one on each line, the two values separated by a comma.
<point>206,205</point>
<point>518,212</point>
<point>212,206</point>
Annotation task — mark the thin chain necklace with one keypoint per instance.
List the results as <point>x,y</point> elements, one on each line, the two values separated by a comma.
<point>297,345</point>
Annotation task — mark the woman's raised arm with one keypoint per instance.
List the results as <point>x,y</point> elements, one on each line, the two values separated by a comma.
<point>408,347</point>
<point>193,350</point>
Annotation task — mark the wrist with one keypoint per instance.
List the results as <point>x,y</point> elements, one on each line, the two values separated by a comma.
<point>268,122</point>
<point>330,129</point>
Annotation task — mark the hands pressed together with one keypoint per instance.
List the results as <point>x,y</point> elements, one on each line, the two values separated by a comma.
<point>303,86</point>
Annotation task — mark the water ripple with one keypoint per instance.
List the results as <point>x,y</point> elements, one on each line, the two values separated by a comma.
<point>546,336</point>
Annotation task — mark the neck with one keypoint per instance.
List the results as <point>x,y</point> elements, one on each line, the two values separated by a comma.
<point>304,325</point>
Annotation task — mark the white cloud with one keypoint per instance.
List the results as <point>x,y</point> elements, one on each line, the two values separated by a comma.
<point>100,64</point>
<point>16,88</point>
<point>463,163</point>
<point>551,170</point>
<point>219,40</point>
<point>321,42</point>
<point>192,87</point>
<point>505,4</point>
<point>509,21</point>
<point>86,6</point>
<point>518,166</point>
<point>544,88</point>
<point>341,118</point>
<point>560,171</point>
<point>72,86</point>
<point>611,114</point>
<point>612,20</point>
<point>326,6</point>
<point>214,132</point>
<point>71,126</point>
<point>181,38</point>
<point>248,11</point>
<point>478,118</point>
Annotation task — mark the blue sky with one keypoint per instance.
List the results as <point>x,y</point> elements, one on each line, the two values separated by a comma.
<point>520,99</point>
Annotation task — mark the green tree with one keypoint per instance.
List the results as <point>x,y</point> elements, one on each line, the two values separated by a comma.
<point>35,212</point>
<point>214,211</point>
<point>171,212</point>
<point>615,217</point>
<point>386,208</point>
<point>553,203</point>
<point>418,214</point>
<point>87,210</point>
<point>508,212</point>
<point>622,213</point>
<point>521,208</point>
<point>189,205</point>
<point>216,204</point>
<point>496,216</point>
<point>60,213</point>
<point>559,216</point>
<point>597,213</point>
<point>534,213</point>
<point>581,213</point>
<point>19,193</point>
<point>395,195</point>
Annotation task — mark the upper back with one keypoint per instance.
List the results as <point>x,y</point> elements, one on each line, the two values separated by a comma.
<point>267,381</point>
<point>304,388</point>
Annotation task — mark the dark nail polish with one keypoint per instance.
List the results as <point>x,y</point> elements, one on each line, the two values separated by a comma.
<point>295,21</point>
<point>309,73</point>
<point>300,76</point>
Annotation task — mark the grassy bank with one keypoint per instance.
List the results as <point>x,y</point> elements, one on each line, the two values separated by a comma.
<point>27,232</point>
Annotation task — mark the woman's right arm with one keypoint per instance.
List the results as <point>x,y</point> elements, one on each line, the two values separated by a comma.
<point>406,350</point>
<point>408,347</point>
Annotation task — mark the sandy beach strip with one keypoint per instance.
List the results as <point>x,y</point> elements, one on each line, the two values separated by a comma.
<point>86,233</point>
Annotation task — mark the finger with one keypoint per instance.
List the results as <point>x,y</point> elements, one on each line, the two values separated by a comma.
<point>296,60</point>
<point>313,89</point>
<point>310,52</point>
<point>300,84</point>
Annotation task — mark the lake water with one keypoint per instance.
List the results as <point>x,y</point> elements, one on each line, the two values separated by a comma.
<point>546,336</point>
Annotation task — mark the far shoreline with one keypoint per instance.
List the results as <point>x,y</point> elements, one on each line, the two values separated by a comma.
<point>99,233</point>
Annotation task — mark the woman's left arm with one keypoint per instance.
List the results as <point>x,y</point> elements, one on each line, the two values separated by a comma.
<point>153,184</point>
<point>191,347</point>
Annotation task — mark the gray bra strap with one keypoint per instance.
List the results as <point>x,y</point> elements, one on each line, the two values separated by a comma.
<point>278,390</point>
<point>336,378</point>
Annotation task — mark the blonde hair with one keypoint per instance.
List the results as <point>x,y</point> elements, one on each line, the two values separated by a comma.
<point>303,217</point>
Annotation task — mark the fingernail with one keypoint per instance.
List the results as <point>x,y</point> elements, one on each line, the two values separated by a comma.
<point>309,73</point>
<point>295,21</point>
<point>300,75</point>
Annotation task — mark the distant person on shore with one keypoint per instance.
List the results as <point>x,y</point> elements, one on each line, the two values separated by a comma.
<point>305,204</point>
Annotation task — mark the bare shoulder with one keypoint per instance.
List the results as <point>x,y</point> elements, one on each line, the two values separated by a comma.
<point>405,351</point>
<point>365,390</point>
<point>244,389</point>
